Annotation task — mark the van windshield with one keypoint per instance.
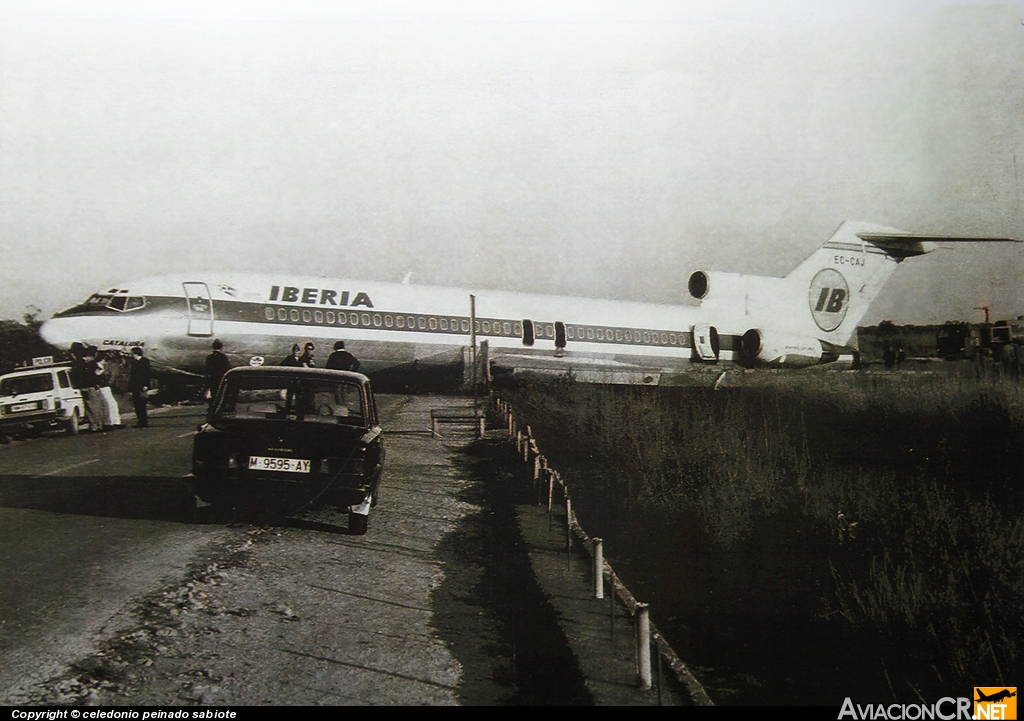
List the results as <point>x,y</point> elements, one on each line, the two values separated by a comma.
<point>310,400</point>
<point>20,385</point>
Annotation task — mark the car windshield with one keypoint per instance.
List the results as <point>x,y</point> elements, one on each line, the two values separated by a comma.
<point>20,385</point>
<point>310,400</point>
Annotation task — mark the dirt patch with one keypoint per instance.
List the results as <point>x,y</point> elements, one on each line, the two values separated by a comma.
<point>529,658</point>
<point>142,660</point>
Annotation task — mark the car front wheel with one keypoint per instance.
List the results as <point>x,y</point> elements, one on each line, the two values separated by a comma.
<point>357,523</point>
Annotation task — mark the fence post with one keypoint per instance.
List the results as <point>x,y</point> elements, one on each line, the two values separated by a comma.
<point>551,494</point>
<point>611,606</point>
<point>661,673</point>
<point>568,532</point>
<point>643,646</point>
<point>598,568</point>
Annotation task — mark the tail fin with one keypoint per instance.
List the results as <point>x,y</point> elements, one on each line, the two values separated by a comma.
<point>826,296</point>
<point>844,276</point>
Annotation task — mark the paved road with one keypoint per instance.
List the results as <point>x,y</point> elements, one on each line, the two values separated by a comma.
<point>112,590</point>
<point>116,589</point>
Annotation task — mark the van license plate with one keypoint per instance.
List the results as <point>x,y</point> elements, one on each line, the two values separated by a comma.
<point>289,465</point>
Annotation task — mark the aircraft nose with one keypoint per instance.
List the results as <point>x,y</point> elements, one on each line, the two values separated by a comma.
<point>57,333</point>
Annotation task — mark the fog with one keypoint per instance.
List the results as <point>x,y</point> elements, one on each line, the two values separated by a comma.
<point>594,149</point>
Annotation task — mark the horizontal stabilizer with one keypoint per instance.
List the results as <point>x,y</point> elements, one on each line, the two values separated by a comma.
<point>906,245</point>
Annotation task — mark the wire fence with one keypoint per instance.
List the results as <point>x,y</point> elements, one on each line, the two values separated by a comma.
<point>653,652</point>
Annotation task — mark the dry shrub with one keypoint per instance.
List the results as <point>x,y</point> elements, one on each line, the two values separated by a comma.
<point>910,480</point>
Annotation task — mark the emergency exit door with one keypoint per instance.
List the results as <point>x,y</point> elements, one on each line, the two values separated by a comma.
<point>200,309</point>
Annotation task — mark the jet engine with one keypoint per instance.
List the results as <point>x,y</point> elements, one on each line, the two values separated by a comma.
<point>779,350</point>
<point>705,285</point>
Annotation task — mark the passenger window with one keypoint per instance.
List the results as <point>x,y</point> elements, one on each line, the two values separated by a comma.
<point>62,378</point>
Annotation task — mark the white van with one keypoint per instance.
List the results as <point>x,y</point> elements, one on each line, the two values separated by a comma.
<point>34,399</point>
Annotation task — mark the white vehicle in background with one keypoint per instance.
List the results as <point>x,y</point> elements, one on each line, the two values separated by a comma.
<point>39,398</point>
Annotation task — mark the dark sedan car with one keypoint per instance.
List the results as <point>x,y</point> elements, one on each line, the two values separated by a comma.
<point>283,439</point>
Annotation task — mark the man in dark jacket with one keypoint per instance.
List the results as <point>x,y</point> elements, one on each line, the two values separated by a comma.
<point>341,359</point>
<point>217,364</point>
<point>90,385</point>
<point>295,359</point>
<point>138,386</point>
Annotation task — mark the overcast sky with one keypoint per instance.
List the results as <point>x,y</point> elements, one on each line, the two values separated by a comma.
<point>600,149</point>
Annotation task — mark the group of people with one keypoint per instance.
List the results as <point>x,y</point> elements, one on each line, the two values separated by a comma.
<point>92,371</point>
<point>217,363</point>
<point>339,360</point>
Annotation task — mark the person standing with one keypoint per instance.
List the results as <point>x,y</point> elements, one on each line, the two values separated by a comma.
<point>341,359</point>
<point>111,413</point>
<point>295,359</point>
<point>217,364</point>
<point>90,372</point>
<point>138,386</point>
<point>306,359</point>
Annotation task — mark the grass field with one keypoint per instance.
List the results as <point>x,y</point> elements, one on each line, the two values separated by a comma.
<point>803,537</point>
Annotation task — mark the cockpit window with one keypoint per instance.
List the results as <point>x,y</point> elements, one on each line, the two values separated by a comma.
<point>116,302</point>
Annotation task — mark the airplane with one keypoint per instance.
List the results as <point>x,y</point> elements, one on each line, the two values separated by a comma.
<point>807,318</point>
<point>995,697</point>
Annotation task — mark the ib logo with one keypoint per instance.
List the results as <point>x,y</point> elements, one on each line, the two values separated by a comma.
<point>995,702</point>
<point>828,298</point>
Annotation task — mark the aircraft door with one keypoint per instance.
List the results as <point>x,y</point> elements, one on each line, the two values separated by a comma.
<point>705,342</point>
<point>527,331</point>
<point>200,309</point>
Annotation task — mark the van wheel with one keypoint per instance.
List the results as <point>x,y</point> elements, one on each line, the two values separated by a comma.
<point>357,524</point>
<point>72,425</point>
